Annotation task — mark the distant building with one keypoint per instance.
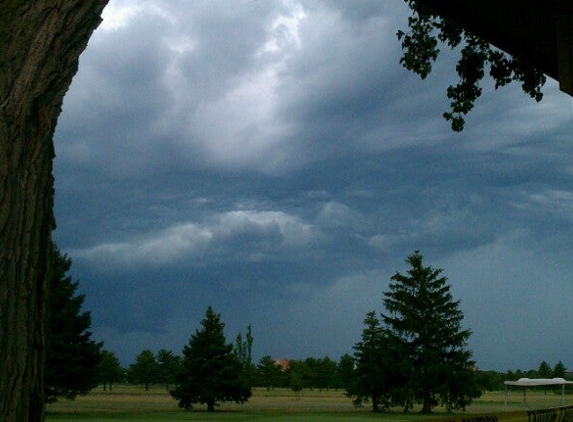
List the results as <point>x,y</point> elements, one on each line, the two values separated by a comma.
<point>284,363</point>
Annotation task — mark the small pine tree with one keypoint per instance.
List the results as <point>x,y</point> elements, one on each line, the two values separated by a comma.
<point>169,365</point>
<point>145,370</point>
<point>295,384</point>
<point>345,370</point>
<point>210,372</point>
<point>243,352</point>
<point>109,370</point>
<point>559,371</point>
<point>380,370</point>
<point>369,376</point>
<point>268,373</point>
<point>544,370</point>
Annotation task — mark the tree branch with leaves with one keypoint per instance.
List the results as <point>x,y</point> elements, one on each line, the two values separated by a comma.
<point>420,44</point>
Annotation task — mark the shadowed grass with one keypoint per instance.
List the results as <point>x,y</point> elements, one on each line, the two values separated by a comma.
<point>130,403</point>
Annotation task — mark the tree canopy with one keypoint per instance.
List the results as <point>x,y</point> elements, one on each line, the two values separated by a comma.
<point>73,358</point>
<point>370,377</point>
<point>210,371</point>
<point>169,365</point>
<point>145,370</point>
<point>420,45</point>
<point>244,354</point>
<point>109,370</point>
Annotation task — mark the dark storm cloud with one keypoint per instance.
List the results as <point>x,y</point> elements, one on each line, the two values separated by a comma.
<point>272,159</point>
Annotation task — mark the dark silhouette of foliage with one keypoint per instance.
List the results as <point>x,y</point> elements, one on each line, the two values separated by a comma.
<point>544,370</point>
<point>110,370</point>
<point>490,380</point>
<point>210,371</point>
<point>380,368</point>
<point>169,366</point>
<point>244,353</point>
<point>295,383</point>
<point>145,370</point>
<point>346,371</point>
<point>369,376</point>
<point>559,371</point>
<point>72,358</point>
<point>269,373</point>
<point>426,321</point>
<point>325,373</point>
<point>420,45</point>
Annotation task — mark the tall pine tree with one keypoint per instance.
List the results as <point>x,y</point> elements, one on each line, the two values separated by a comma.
<point>425,318</point>
<point>210,371</point>
<point>72,358</point>
<point>244,354</point>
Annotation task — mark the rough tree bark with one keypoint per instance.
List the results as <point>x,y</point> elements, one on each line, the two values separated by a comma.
<point>40,44</point>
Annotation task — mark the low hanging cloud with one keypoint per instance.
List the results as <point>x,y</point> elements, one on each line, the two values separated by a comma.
<point>235,235</point>
<point>168,246</point>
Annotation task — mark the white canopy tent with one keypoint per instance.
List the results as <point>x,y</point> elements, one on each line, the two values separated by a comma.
<point>533,382</point>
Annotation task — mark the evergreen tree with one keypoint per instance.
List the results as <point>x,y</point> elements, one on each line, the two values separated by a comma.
<point>490,380</point>
<point>368,375</point>
<point>326,374</point>
<point>379,370</point>
<point>559,371</point>
<point>346,370</point>
<point>426,320</point>
<point>243,352</point>
<point>544,370</point>
<point>269,373</point>
<point>310,374</point>
<point>72,357</point>
<point>169,365</point>
<point>109,370</point>
<point>295,383</point>
<point>145,369</point>
<point>210,372</point>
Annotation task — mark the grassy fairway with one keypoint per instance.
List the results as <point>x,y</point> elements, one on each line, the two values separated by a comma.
<point>134,404</point>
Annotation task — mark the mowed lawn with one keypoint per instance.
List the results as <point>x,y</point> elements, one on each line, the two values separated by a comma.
<point>130,403</point>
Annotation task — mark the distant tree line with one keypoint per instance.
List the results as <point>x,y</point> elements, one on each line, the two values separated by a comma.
<point>414,353</point>
<point>493,381</point>
<point>310,373</point>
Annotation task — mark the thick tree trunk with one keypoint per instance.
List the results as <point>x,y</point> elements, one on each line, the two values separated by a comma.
<point>40,43</point>
<point>428,404</point>
<point>375,407</point>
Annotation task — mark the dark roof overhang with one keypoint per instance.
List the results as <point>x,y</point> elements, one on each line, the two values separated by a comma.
<point>537,31</point>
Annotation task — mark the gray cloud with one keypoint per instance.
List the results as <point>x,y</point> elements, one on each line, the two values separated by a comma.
<point>272,159</point>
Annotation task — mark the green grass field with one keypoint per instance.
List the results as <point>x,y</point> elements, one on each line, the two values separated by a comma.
<point>134,404</point>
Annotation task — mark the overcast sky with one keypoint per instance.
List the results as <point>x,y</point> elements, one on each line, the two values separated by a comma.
<point>273,159</point>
